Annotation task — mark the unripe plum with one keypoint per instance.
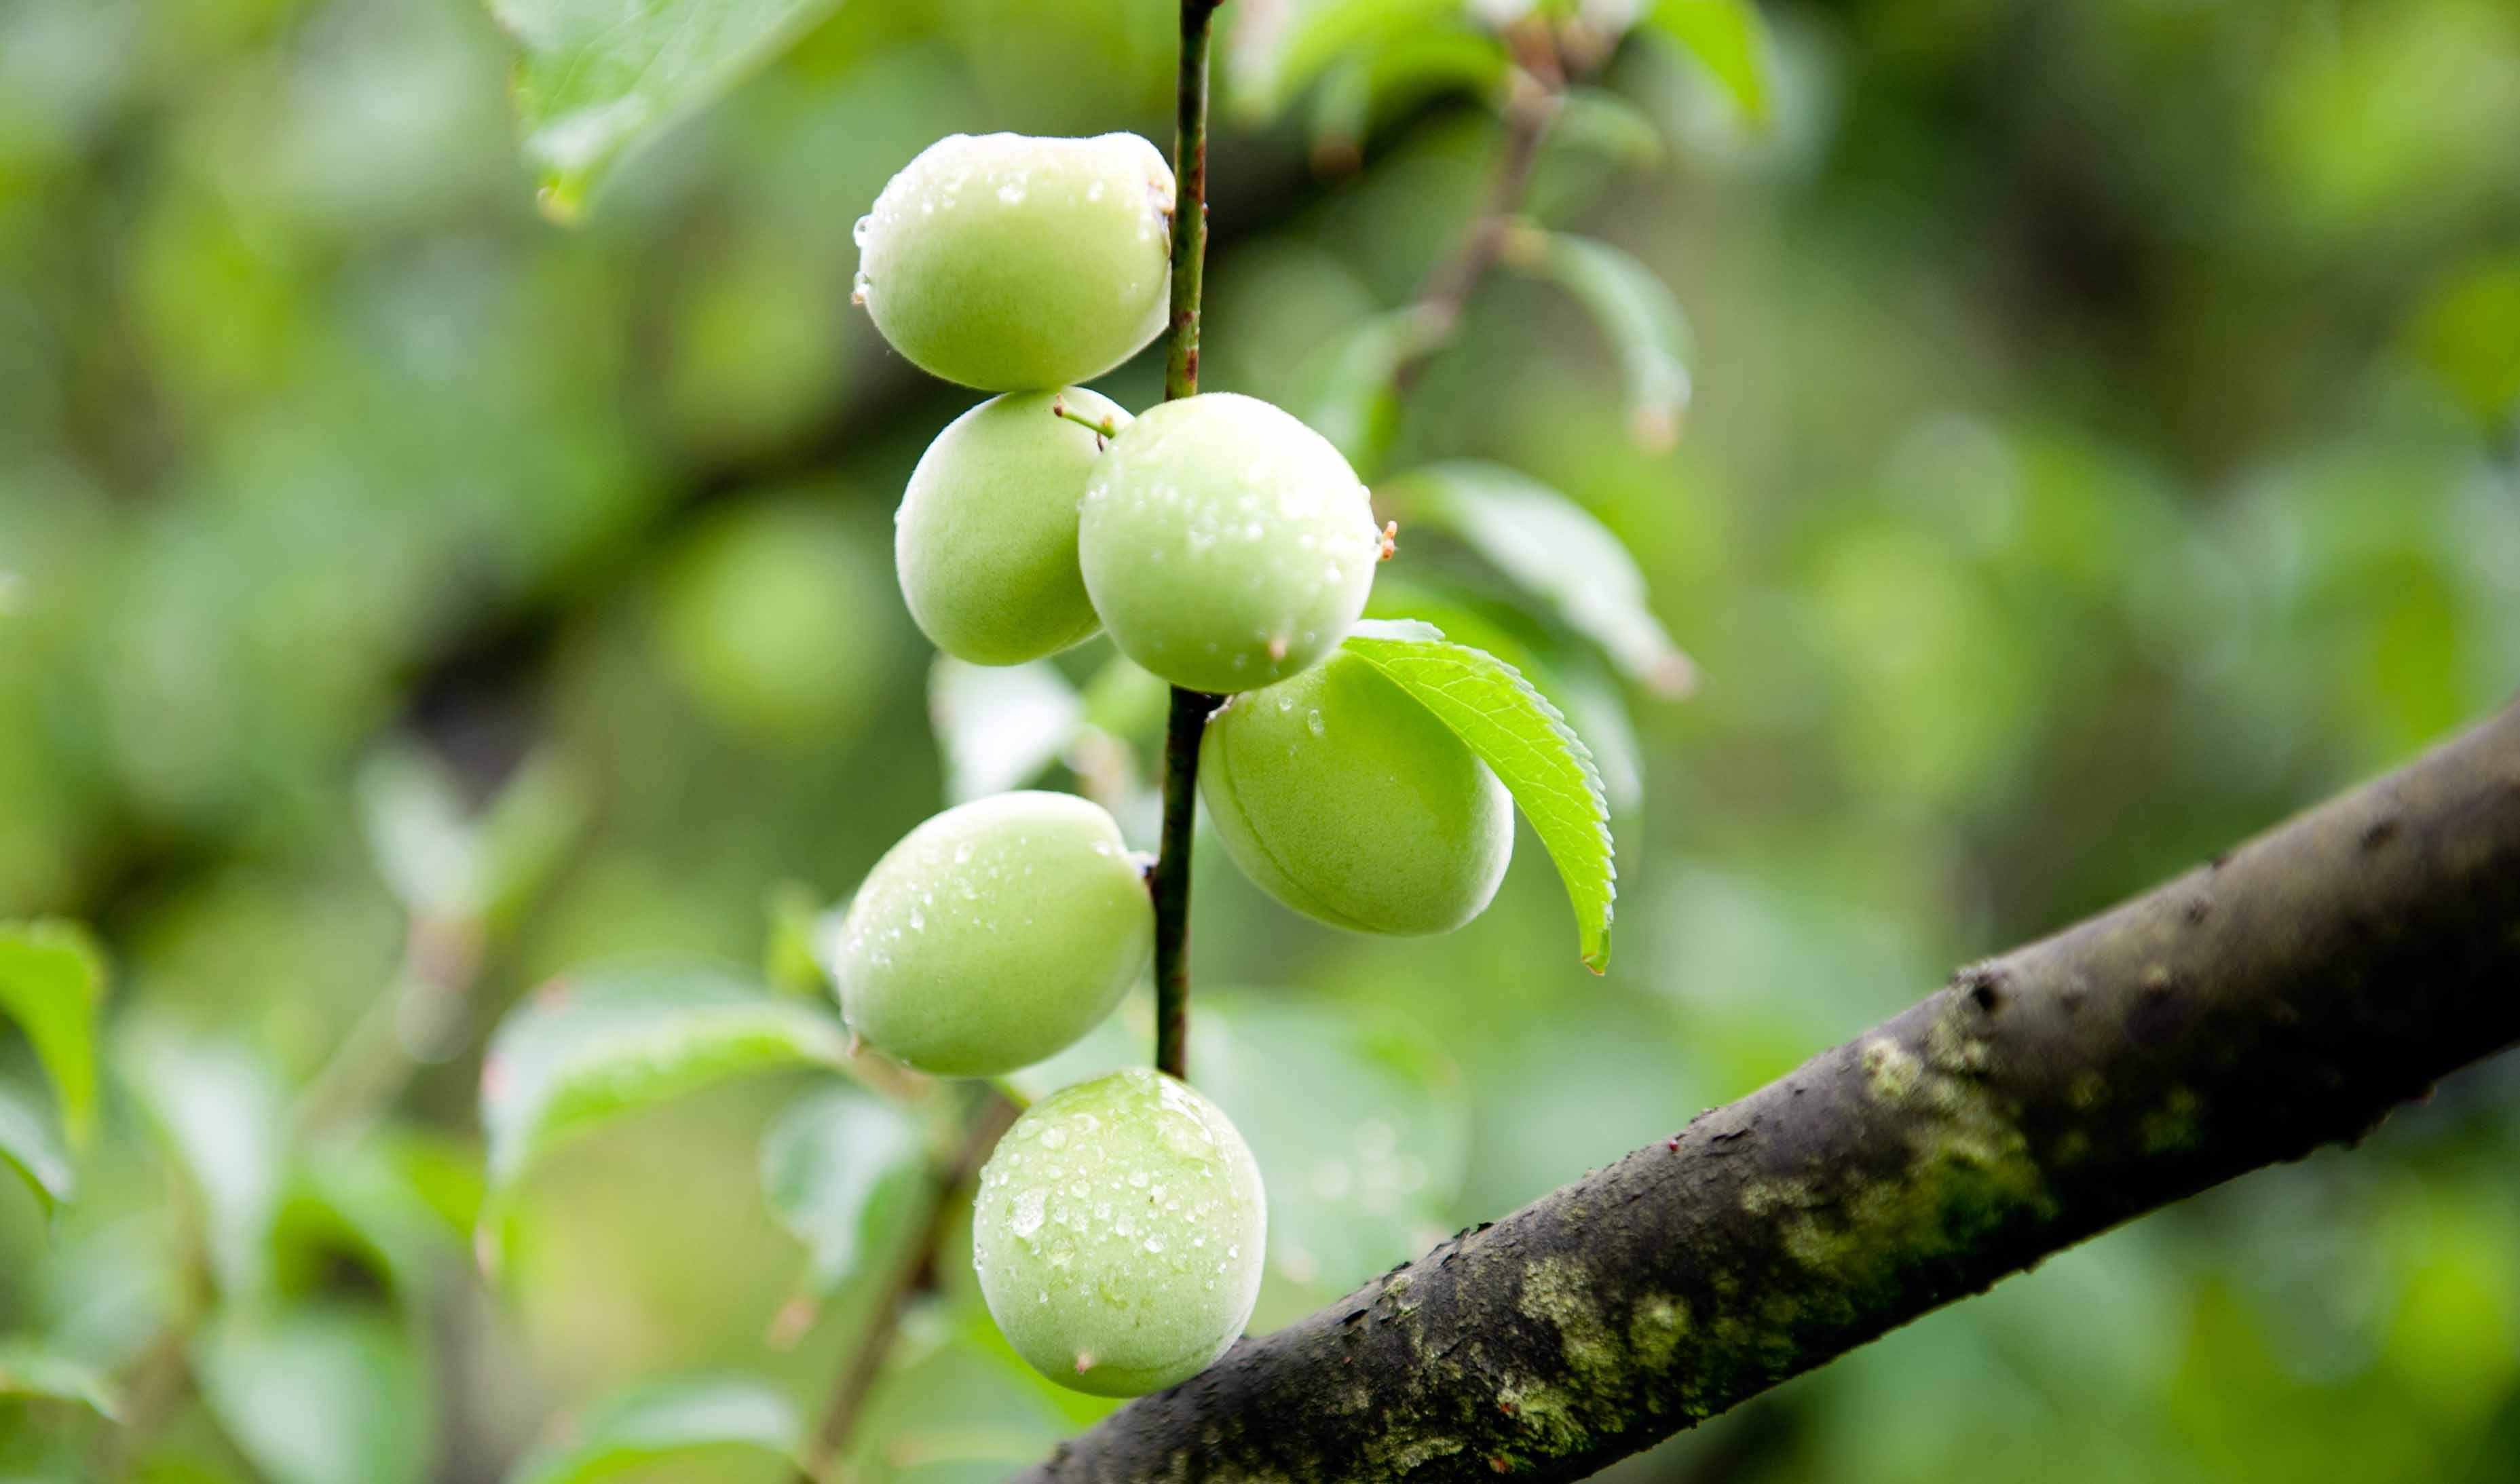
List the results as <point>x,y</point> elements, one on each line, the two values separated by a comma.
<point>1347,801</point>
<point>1226,545</point>
<point>994,936</point>
<point>986,539</point>
<point>1009,262</point>
<point>1119,1232</point>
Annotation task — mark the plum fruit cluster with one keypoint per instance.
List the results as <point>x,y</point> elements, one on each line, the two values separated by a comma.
<point>1226,548</point>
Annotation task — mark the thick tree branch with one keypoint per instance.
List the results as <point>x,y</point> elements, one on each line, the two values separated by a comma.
<point>2285,996</point>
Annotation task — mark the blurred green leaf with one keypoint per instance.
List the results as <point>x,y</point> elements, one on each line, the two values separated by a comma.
<point>30,1368</point>
<point>222,1111</point>
<point>1730,39</point>
<point>687,1421</point>
<point>31,1147</point>
<point>605,1042</point>
<point>600,77</point>
<point>1358,395</point>
<point>967,1411</point>
<point>1559,551</point>
<point>528,832</point>
<point>320,1394</point>
<point>1635,313</point>
<point>2468,335</point>
<point>999,726</point>
<point>371,1201</point>
<point>1274,51</point>
<point>444,860</point>
<point>418,832</point>
<point>1602,123</point>
<point>837,1164</point>
<point>1514,729</point>
<point>1358,1121</point>
<point>1126,699</point>
<point>1390,77</point>
<point>52,981</point>
<point>790,958</point>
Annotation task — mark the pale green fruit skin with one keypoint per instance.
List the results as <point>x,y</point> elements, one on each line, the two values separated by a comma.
<point>1151,1273</point>
<point>1347,801</point>
<point>1009,262</point>
<point>986,539</point>
<point>994,936</point>
<point>1226,545</point>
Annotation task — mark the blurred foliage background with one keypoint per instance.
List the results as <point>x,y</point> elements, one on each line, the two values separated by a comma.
<point>2106,438</point>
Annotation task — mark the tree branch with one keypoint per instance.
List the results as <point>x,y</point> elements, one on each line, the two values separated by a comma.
<point>913,1270</point>
<point>2287,995</point>
<point>1169,882</point>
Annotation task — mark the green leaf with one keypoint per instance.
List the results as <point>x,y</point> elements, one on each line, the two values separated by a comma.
<point>1356,406</point>
<point>1636,314</point>
<point>1561,552</point>
<point>691,1421</point>
<point>1559,664</point>
<point>412,810</point>
<point>600,77</point>
<point>1730,39</point>
<point>1515,730</point>
<point>320,1394</point>
<point>1274,51</point>
<point>593,1046</point>
<point>31,1147</point>
<point>837,1165</point>
<point>52,981</point>
<point>443,860</point>
<point>1602,123</point>
<point>527,834</point>
<point>967,1411</point>
<point>1359,1121</point>
<point>1393,76</point>
<point>223,1113</point>
<point>29,1367</point>
<point>1000,727</point>
<point>371,1201</point>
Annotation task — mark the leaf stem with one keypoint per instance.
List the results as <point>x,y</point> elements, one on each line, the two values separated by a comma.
<point>914,1271</point>
<point>1169,882</point>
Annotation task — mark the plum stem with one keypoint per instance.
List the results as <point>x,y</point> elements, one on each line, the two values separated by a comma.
<point>1106,429</point>
<point>1169,882</point>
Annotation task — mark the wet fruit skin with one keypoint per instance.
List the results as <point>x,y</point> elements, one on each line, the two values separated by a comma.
<point>1009,262</point>
<point>1348,802</point>
<point>1119,1234</point>
<point>994,936</point>
<point>986,539</point>
<point>1226,545</point>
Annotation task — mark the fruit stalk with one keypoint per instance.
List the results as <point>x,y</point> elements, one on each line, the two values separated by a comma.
<point>1169,882</point>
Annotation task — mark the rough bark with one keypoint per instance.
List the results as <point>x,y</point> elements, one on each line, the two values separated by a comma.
<point>2286,995</point>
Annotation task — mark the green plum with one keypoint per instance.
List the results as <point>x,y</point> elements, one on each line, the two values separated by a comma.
<point>986,540</point>
<point>1119,1234</point>
<point>1350,802</point>
<point>1010,263</point>
<point>994,936</point>
<point>1226,545</point>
